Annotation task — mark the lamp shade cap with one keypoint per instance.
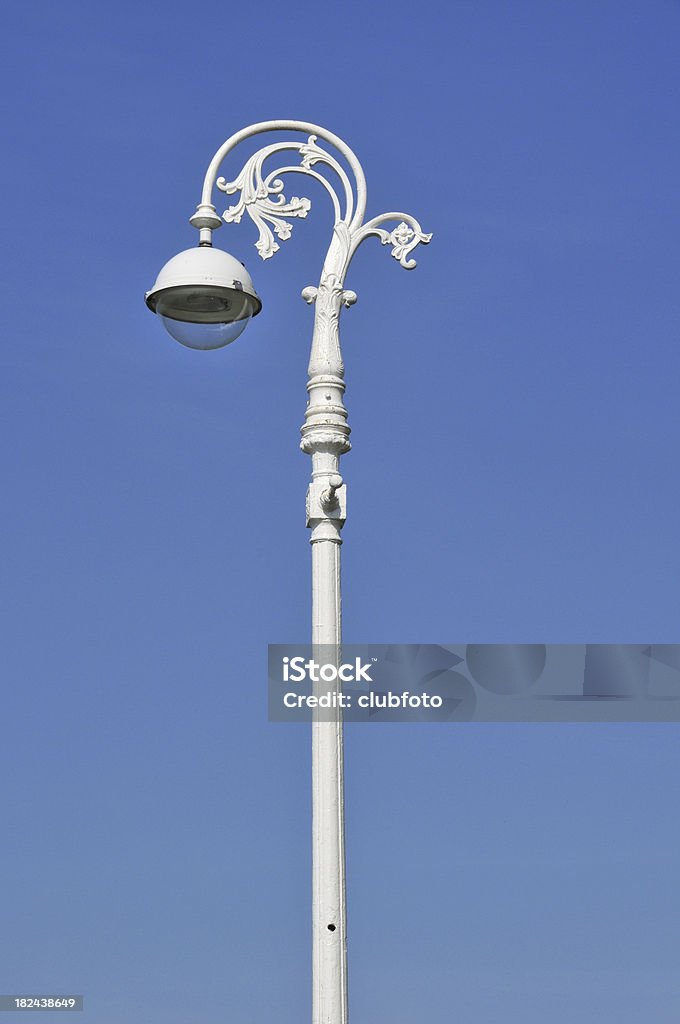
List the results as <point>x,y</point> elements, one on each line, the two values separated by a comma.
<point>204,267</point>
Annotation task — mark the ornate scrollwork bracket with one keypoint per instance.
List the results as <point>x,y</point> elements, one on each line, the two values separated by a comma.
<point>260,194</point>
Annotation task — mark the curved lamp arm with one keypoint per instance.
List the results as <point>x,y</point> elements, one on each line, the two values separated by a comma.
<point>261,196</point>
<point>277,126</point>
<point>259,193</point>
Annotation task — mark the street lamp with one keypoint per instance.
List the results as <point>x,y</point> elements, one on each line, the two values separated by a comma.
<point>206,298</point>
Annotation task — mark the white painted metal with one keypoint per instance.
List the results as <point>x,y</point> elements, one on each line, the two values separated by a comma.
<point>203,266</point>
<point>325,436</point>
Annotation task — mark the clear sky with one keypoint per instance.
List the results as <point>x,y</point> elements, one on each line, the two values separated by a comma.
<point>514,404</point>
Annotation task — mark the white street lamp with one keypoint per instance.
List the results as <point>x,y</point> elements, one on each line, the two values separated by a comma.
<point>205,298</point>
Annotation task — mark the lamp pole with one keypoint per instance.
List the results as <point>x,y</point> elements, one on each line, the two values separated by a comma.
<point>325,437</point>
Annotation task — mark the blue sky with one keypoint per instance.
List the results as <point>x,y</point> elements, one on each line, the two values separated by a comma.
<point>514,413</point>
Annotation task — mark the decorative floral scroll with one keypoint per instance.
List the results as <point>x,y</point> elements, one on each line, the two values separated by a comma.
<point>265,204</point>
<point>263,199</point>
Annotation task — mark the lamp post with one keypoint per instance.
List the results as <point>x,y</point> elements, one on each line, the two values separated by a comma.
<point>206,298</point>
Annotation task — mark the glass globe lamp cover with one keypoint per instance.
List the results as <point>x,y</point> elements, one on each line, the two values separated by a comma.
<point>204,298</point>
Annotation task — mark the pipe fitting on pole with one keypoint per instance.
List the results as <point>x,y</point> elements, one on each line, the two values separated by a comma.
<point>329,497</point>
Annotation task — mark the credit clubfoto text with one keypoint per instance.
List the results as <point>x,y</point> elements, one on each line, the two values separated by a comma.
<point>336,699</point>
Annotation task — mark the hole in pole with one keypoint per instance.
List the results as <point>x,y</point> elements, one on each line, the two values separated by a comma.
<point>331,927</point>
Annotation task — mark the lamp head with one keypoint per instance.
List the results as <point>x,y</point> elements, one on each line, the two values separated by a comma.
<point>204,297</point>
